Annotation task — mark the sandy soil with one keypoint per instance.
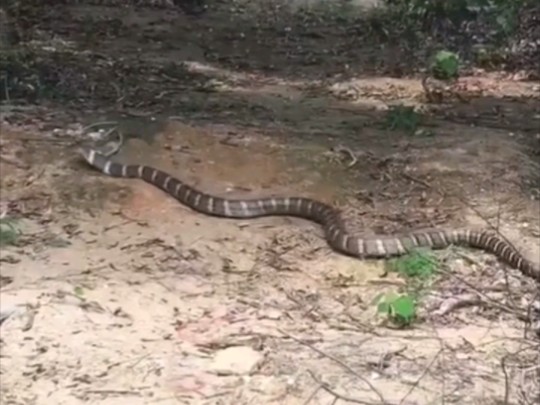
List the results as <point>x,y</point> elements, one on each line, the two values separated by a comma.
<point>123,296</point>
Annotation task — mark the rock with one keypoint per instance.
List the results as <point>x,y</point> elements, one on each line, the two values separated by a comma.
<point>236,360</point>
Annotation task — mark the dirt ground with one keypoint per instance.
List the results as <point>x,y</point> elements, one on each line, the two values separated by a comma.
<point>121,295</point>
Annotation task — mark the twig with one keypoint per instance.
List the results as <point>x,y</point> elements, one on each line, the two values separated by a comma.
<point>350,153</point>
<point>421,376</point>
<point>421,182</point>
<point>337,395</point>
<point>338,361</point>
<point>312,395</point>
<point>506,380</point>
<point>6,88</point>
<point>454,303</point>
<point>474,209</point>
<point>507,385</point>
<point>114,392</point>
<point>504,308</point>
<point>523,383</point>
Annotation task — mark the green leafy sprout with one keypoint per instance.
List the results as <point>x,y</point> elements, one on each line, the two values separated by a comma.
<point>418,267</point>
<point>402,118</point>
<point>9,233</point>
<point>400,309</point>
<point>445,65</point>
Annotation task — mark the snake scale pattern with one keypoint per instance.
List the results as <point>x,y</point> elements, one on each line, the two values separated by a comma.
<point>327,216</point>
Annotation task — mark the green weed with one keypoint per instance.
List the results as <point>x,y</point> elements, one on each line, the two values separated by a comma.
<point>79,292</point>
<point>402,118</point>
<point>9,233</point>
<point>420,264</point>
<point>418,267</point>
<point>399,308</point>
<point>445,65</point>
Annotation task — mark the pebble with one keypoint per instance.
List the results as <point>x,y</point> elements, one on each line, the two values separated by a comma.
<point>236,360</point>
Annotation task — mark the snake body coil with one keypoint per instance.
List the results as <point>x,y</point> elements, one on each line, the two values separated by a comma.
<point>327,216</point>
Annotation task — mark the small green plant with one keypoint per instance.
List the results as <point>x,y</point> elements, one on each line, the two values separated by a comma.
<point>445,65</point>
<point>8,231</point>
<point>400,309</point>
<point>418,267</point>
<point>79,292</point>
<point>402,118</point>
<point>420,264</point>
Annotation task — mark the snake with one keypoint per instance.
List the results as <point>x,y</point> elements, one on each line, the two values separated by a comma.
<point>336,233</point>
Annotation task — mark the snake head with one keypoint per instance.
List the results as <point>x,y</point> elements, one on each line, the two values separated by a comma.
<point>86,152</point>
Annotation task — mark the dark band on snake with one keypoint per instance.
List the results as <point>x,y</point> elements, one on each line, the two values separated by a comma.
<point>327,216</point>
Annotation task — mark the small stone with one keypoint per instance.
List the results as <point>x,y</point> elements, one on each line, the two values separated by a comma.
<point>237,360</point>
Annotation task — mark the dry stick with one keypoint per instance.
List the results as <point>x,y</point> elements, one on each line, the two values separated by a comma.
<point>520,316</point>
<point>6,88</point>
<point>312,395</point>
<point>350,153</point>
<point>506,381</point>
<point>442,347</point>
<point>338,361</point>
<point>524,317</point>
<point>533,309</point>
<point>523,382</point>
<point>443,194</point>
<point>512,311</point>
<point>421,376</point>
<point>337,395</point>
<point>506,378</point>
<point>450,305</point>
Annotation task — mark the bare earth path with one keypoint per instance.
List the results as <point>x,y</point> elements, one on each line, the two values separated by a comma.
<point>124,296</point>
